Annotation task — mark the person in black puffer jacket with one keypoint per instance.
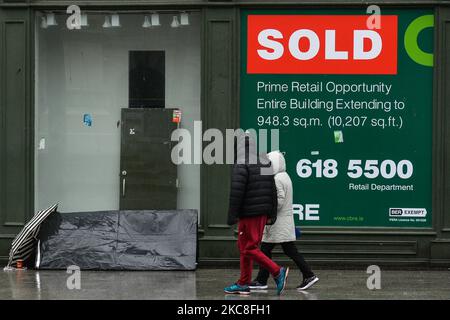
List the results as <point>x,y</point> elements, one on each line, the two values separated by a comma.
<point>253,204</point>
<point>252,193</point>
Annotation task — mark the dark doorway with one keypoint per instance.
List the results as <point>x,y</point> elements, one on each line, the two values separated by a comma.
<point>146,79</point>
<point>148,177</point>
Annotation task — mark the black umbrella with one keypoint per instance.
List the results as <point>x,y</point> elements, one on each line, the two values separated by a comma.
<point>24,244</point>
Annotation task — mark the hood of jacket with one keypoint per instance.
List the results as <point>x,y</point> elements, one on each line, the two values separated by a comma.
<point>278,161</point>
<point>245,149</point>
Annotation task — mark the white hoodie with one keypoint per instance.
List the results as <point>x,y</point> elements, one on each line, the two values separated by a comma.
<point>284,228</point>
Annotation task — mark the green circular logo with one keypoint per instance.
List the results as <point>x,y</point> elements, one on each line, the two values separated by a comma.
<point>411,45</point>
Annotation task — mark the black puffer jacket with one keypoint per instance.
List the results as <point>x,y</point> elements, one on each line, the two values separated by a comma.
<point>252,193</point>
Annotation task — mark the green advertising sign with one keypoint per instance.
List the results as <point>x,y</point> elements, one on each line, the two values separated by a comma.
<point>351,96</point>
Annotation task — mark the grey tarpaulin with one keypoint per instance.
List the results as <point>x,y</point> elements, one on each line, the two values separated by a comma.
<point>119,240</point>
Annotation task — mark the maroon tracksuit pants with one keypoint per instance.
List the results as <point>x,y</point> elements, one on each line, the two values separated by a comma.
<point>250,231</point>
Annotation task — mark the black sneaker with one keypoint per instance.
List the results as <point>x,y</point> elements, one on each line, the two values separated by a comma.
<point>256,285</point>
<point>307,283</point>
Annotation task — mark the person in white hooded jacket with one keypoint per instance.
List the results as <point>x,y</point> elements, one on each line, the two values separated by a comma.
<point>283,230</point>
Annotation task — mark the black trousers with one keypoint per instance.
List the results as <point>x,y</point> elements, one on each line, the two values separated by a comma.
<point>290,249</point>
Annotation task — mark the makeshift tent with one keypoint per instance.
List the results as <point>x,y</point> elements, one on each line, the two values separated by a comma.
<point>119,240</point>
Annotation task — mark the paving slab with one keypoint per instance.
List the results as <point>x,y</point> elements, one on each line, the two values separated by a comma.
<point>209,284</point>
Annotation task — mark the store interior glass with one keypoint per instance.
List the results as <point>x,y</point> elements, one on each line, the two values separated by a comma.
<point>81,85</point>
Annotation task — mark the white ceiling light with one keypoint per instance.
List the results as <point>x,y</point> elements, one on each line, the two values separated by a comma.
<point>84,20</point>
<point>107,23</point>
<point>155,20</point>
<point>115,22</point>
<point>175,23</point>
<point>184,19</point>
<point>146,23</point>
<point>44,22</point>
<point>151,21</point>
<point>51,19</point>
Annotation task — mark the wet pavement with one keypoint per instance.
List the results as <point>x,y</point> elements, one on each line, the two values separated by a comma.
<point>209,283</point>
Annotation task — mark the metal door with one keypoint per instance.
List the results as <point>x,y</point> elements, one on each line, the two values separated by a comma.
<point>148,177</point>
